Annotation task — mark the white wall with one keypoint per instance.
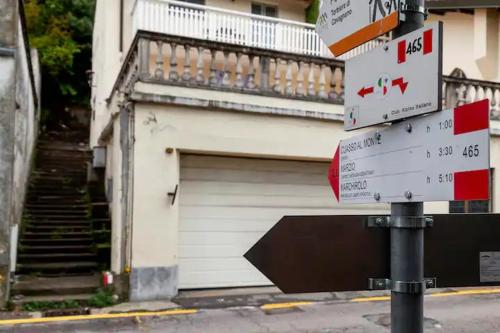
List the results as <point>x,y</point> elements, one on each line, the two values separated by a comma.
<point>155,220</point>
<point>188,130</point>
<point>287,9</point>
<point>471,43</point>
<point>106,62</point>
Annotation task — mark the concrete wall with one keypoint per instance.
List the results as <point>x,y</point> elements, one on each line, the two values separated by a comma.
<point>19,114</point>
<point>8,41</point>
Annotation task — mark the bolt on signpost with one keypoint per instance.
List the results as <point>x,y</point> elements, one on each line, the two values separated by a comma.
<point>442,156</point>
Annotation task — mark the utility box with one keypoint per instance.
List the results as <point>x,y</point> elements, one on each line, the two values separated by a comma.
<point>99,157</point>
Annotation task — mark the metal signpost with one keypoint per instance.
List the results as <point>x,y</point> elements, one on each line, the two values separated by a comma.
<point>399,80</point>
<point>440,156</point>
<point>407,238</point>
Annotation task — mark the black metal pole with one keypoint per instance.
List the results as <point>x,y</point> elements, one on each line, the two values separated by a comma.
<point>407,244</point>
<point>407,265</point>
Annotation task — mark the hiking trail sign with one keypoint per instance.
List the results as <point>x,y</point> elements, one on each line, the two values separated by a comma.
<point>443,156</point>
<point>398,80</point>
<point>346,24</point>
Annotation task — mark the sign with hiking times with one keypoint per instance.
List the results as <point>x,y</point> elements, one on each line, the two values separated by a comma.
<point>345,24</point>
<point>400,79</point>
<point>443,156</point>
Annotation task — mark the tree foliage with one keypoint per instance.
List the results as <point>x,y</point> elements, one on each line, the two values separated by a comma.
<point>312,12</point>
<point>61,30</point>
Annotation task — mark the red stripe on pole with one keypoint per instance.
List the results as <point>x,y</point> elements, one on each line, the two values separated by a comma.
<point>471,117</point>
<point>472,185</point>
<point>428,41</point>
<point>334,175</point>
<point>401,52</point>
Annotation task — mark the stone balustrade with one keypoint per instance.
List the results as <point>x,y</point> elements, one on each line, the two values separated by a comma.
<point>460,91</point>
<point>225,67</point>
<point>195,63</point>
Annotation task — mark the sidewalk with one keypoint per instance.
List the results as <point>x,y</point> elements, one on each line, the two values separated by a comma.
<point>267,299</point>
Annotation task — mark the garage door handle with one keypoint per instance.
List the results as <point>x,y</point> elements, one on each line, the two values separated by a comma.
<point>173,194</point>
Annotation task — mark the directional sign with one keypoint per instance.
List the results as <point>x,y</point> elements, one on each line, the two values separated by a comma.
<point>440,157</point>
<point>346,24</point>
<point>398,80</point>
<point>305,254</point>
<point>321,253</point>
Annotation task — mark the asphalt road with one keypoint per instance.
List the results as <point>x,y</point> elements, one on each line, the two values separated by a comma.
<point>450,314</point>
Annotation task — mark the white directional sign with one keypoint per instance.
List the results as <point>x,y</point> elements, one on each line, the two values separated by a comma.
<point>345,24</point>
<point>440,157</point>
<point>398,80</point>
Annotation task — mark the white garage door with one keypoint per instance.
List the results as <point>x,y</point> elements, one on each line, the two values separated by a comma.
<point>227,204</point>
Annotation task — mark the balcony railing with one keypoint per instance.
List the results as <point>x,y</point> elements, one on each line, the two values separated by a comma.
<point>201,64</point>
<point>460,91</point>
<point>226,26</point>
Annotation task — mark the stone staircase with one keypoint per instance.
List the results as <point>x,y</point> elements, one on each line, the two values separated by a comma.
<point>64,229</point>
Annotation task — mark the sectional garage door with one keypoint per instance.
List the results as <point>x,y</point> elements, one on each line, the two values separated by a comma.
<point>228,203</point>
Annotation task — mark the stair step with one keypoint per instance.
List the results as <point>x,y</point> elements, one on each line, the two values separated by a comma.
<point>56,190</point>
<point>65,165</point>
<point>53,206</point>
<point>54,248</point>
<point>49,212</point>
<point>47,218</point>
<point>70,266</point>
<point>47,174</point>
<point>56,241</point>
<point>56,227</point>
<point>26,258</point>
<point>61,229</point>
<point>59,224</point>
<point>56,286</point>
<point>60,199</point>
<point>43,182</point>
<point>54,298</point>
<point>49,235</point>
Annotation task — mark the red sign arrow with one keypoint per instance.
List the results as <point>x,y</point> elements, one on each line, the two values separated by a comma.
<point>365,91</point>
<point>397,82</point>
<point>334,174</point>
<point>400,82</point>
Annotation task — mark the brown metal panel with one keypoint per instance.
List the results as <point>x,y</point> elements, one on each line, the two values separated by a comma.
<point>453,244</point>
<point>303,254</point>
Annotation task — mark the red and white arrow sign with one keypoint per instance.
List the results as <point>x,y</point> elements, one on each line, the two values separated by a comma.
<point>384,90</point>
<point>440,157</point>
<point>398,80</point>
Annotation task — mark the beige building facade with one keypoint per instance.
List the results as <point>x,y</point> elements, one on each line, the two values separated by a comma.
<point>217,122</point>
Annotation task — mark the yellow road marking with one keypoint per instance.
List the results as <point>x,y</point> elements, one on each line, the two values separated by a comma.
<point>467,292</point>
<point>371,299</point>
<point>443,294</point>
<point>274,306</point>
<point>97,316</point>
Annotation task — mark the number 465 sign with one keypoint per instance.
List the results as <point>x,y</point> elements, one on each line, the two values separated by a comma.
<point>413,46</point>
